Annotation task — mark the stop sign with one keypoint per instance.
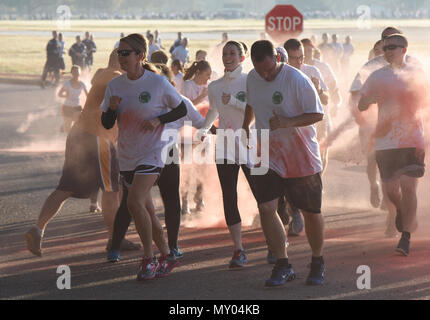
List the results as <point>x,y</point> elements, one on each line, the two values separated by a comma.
<point>284,22</point>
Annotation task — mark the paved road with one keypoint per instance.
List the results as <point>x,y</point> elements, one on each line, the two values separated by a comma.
<point>30,166</point>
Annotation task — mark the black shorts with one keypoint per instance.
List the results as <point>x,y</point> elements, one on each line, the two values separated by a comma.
<point>304,193</point>
<point>90,163</point>
<point>393,163</point>
<point>128,176</point>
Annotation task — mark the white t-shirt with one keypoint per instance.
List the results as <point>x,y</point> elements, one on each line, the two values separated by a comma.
<point>294,152</point>
<point>143,99</point>
<point>192,90</point>
<point>192,115</point>
<point>72,98</point>
<point>373,65</point>
<point>327,73</point>
<point>181,53</point>
<point>231,115</point>
<point>399,95</point>
<point>179,81</point>
<point>153,47</point>
<point>348,50</point>
<point>313,72</point>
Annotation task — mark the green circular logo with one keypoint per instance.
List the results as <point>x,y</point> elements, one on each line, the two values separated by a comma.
<point>277,97</point>
<point>144,97</point>
<point>241,96</point>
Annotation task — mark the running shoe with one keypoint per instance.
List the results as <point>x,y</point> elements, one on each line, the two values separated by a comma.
<point>167,263</point>
<point>33,238</point>
<point>296,225</point>
<point>239,259</point>
<point>148,269</point>
<point>403,246</point>
<point>280,276</point>
<point>271,259</point>
<point>113,256</point>
<point>316,275</point>
<point>399,223</point>
<point>176,252</point>
<point>94,208</point>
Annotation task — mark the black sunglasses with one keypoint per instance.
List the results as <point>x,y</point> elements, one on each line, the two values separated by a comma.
<point>125,53</point>
<point>391,47</point>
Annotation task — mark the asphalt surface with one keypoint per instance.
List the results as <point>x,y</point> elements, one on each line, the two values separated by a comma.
<point>31,158</point>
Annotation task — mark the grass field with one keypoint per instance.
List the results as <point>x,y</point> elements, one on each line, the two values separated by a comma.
<point>25,54</point>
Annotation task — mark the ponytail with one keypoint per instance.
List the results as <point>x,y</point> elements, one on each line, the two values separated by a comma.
<point>197,65</point>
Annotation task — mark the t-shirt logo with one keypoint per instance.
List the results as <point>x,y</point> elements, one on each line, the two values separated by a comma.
<point>277,97</point>
<point>241,96</point>
<point>145,97</point>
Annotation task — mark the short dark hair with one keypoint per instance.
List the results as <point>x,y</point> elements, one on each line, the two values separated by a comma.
<point>392,29</point>
<point>261,49</point>
<point>292,44</point>
<point>400,37</point>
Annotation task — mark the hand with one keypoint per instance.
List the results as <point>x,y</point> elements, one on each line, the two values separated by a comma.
<point>114,102</point>
<point>277,121</point>
<point>201,134</point>
<point>226,98</point>
<point>150,125</point>
<point>204,92</point>
<point>316,83</point>
<point>246,138</point>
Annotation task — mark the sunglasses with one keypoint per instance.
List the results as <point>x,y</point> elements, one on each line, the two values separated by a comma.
<point>125,53</point>
<point>391,47</point>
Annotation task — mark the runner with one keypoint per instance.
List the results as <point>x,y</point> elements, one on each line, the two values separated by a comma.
<point>61,51</point>
<point>195,88</point>
<point>168,184</point>
<point>52,59</point>
<point>91,49</point>
<point>182,52</point>
<point>78,53</point>
<point>367,123</point>
<point>399,90</point>
<point>337,54</point>
<point>348,51</point>
<point>227,98</point>
<point>286,103</point>
<point>178,71</point>
<point>72,90</point>
<point>159,57</point>
<point>176,43</point>
<point>90,163</point>
<point>140,99</point>
<point>153,46</point>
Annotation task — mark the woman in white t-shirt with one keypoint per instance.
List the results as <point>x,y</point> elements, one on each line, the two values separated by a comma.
<point>195,88</point>
<point>227,98</point>
<point>72,90</point>
<point>142,101</point>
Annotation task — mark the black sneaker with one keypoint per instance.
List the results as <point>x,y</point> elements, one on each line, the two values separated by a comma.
<point>280,276</point>
<point>399,223</point>
<point>403,246</point>
<point>316,275</point>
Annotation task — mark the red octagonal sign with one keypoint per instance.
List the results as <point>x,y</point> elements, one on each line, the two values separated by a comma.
<point>284,22</point>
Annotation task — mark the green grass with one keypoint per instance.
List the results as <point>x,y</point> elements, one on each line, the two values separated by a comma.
<point>27,55</point>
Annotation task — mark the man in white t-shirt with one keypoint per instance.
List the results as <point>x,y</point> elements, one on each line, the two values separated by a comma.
<point>284,101</point>
<point>152,46</point>
<point>181,52</point>
<point>399,90</point>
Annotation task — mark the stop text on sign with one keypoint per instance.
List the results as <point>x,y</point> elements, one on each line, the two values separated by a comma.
<point>288,24</point>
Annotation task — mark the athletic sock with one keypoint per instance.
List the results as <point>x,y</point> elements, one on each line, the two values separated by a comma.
<point>406,235</point>
<point>283,262</point>
<point>317,260</point>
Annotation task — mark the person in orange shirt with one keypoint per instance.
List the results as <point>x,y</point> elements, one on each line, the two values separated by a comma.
<point>90,163</point>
